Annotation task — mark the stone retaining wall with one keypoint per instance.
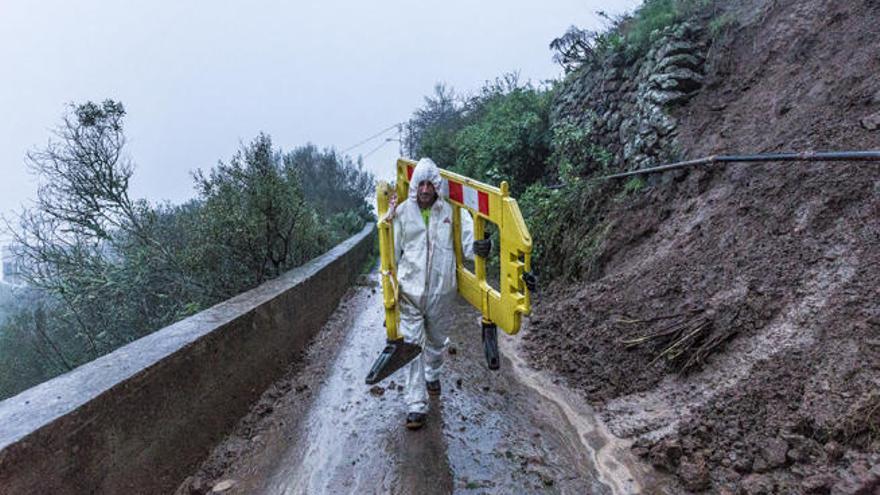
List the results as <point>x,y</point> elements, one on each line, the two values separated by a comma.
<point>625,104</point>
<point>141,418</point>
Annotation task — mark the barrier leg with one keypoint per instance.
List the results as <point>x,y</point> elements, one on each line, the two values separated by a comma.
<point>394,356</point>
<point>490,344</point>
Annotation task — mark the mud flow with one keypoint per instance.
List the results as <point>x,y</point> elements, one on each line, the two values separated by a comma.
<point>505,431</point>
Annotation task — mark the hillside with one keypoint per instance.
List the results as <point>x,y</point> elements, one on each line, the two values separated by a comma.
<point>729,322</point>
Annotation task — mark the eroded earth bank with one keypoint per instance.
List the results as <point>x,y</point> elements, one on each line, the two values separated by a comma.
<point>731,323</point>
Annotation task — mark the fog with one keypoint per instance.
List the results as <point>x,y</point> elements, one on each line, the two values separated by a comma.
<point>198,78</point>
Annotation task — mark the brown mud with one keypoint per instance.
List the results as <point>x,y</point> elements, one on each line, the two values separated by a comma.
<point>778,265</point>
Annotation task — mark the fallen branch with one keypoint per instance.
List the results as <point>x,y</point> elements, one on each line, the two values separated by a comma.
<point>686,341</point>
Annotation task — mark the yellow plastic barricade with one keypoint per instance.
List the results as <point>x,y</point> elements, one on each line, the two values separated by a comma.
<point>503,307</point>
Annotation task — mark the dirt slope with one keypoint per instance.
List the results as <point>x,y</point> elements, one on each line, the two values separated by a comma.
<point>773,269</point>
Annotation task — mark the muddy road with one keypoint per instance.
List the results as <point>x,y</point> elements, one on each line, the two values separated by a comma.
<point>322,430</point>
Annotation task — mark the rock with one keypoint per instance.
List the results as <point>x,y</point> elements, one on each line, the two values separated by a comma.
<point>629,150</point>
<point>772,454</point>
<point>687,30</point>
<point>741,462</point>
<point>678,79</point>
<point>196,485</point>
<point>650,140</point>
<point>666,97</point>
<point>683,60</point>
<point>377,390</point>
<point>675,48</point>
<point>694,474</point>
<point>666,454</point>
<point>611,86</point>
<point>662,123</point>
<point>757,484</point>
<point>223,486</point>
<point>797,454</point>
<point>863,479</point>
<point>871,122</point>
<point>834,450</point>
<point>817,483</point>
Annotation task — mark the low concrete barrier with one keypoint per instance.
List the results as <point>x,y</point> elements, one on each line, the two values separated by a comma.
<point>140,419</point>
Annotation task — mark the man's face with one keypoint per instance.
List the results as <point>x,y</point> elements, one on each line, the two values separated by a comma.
<point>426,194</point>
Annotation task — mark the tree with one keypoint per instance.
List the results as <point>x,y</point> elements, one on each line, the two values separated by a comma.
<point>573,48</point>
<point>333,184</point>
<point>105,269</point>
<point>255,221</point>
<point>429,132</point>
<point>71,241</point>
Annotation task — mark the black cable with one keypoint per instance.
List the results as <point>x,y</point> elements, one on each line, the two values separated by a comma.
<point>811,156</point>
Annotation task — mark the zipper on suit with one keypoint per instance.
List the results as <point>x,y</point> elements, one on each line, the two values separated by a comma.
<point>428,258</point>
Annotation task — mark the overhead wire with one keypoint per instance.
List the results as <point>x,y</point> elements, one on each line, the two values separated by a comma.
<point>377,148</point>
<point>374,136</point>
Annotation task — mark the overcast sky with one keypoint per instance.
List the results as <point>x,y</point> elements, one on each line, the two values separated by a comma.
<point>197,78</point>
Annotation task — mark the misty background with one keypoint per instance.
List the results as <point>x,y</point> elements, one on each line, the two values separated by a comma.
<point>198,78</point>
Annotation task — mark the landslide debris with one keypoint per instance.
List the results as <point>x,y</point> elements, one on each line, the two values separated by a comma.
<point>730,323</point>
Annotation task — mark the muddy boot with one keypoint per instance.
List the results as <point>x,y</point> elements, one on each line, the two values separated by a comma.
<point>415,420</point>
<point>433,388</point>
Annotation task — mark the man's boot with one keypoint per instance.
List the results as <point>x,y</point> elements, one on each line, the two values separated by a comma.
<point>415,420</point>
<point>433,388</point>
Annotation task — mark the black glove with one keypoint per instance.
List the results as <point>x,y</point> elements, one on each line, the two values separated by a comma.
<point>531,281</point>
<point>482,248</point>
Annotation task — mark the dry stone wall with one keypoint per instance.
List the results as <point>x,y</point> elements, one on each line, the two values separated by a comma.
<point>625,104</point>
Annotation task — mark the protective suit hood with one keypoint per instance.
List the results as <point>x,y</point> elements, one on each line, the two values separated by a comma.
<point>425,169</point>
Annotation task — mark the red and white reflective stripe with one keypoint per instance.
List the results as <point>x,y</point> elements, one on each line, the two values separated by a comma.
<point>470,197</point>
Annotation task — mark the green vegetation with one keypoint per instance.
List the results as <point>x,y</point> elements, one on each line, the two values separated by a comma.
<point>632,35</point>
<point>503,133</point>
<point>575,154</point>
<point>104,269</point>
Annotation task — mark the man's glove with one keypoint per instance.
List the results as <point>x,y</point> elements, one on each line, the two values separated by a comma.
<point>531,281</point>
<point>482,248</point>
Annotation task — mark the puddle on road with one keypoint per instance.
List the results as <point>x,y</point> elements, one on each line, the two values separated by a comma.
<point>490,432</point>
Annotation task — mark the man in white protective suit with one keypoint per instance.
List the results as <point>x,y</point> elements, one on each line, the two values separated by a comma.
<point>425,259</point>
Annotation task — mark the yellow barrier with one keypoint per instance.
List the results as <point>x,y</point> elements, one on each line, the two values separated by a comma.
<point>503,307</point>
<point>386,261</point>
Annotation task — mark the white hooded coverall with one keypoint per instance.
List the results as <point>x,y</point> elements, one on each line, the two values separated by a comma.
<point>425,259</point>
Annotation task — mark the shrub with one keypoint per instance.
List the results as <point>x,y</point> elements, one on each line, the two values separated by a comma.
<point>105,269</point>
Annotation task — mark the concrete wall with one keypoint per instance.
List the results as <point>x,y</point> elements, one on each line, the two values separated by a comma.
<point>140,419</point>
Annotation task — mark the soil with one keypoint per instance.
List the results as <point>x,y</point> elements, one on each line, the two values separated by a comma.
<point>773,269</point>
